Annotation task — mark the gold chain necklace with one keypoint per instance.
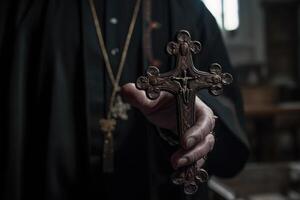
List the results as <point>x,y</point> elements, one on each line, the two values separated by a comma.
<point>117,108</point>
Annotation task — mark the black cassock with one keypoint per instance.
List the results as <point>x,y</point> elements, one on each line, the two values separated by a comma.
<point>54,89</point>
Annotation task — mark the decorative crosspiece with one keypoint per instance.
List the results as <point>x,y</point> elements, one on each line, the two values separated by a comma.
<point>184,82</point>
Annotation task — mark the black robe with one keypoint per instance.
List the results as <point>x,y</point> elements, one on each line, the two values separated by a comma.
<point>48,51</point>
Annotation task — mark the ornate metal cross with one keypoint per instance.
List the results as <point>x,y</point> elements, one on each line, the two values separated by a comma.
<point>184,82</point>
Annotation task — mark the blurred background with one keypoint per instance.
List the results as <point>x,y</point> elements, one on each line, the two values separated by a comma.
<point>263,41</point>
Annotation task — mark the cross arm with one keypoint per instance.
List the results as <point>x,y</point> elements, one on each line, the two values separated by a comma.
<point>214,80</point>
<point>154,82</point>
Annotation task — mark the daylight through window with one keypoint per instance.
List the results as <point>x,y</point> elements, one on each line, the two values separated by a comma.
<point>226,13</point>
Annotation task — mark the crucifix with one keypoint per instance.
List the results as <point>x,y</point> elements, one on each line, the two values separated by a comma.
<point>184,81</point>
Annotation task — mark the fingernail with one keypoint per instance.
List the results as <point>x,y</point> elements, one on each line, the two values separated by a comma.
<point>181,162</point>
<point>190,142</point>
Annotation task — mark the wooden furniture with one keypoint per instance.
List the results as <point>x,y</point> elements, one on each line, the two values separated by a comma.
<point>266,123</point>
<point>274,110</point>
<point>268,120</point>
<point>261,182</point>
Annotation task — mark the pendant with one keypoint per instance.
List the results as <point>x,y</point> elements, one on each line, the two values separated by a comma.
<point>107,126</point>
<point>108,153</point>
<point>119,110</point>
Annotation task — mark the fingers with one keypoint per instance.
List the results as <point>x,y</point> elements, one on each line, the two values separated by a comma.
<point>187,157</point>
<point>137,98</point>
<point>197,142</point>
<point>204,125</point>
<point>200,163</point>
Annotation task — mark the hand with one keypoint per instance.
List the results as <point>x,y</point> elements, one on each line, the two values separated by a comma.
<point>196,143</point>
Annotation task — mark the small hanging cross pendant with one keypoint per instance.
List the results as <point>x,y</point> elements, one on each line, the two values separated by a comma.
<point>119,109</point>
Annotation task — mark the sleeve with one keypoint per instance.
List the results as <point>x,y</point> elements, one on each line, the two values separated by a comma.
<point>231,150</point>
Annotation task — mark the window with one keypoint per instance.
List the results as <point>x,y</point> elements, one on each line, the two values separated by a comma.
<point>226,13</point>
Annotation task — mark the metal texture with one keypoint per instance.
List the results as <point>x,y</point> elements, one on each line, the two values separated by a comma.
<point>184,81</point>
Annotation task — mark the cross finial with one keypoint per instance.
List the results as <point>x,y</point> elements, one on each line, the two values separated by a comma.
<point>184,45</point>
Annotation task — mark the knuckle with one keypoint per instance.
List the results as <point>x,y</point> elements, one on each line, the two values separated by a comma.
<point>201,132</point>
<point>200,163</point>
<point>211,122</point>
<point>199,135</point>
<point>195,132</point>
<point>210,141</point>
<point>192,158</point>
<point>204,131</point>
<point>197,155</point>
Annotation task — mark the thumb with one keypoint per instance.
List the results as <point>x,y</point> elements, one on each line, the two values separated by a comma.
<point>137,98</point>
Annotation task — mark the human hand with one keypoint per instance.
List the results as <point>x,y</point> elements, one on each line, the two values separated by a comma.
<point>196,143</point>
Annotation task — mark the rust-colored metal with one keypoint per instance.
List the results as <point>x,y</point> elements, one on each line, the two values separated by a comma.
<point>184,81</point>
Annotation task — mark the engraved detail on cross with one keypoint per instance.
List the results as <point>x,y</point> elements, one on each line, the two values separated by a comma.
<point>184,81</point>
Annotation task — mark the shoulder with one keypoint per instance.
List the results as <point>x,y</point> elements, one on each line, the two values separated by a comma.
<point>191,7</point>
<point>196,15</point>
<point>192,10</point>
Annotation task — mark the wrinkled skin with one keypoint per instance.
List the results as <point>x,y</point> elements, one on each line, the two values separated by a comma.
<point>197,142</point>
